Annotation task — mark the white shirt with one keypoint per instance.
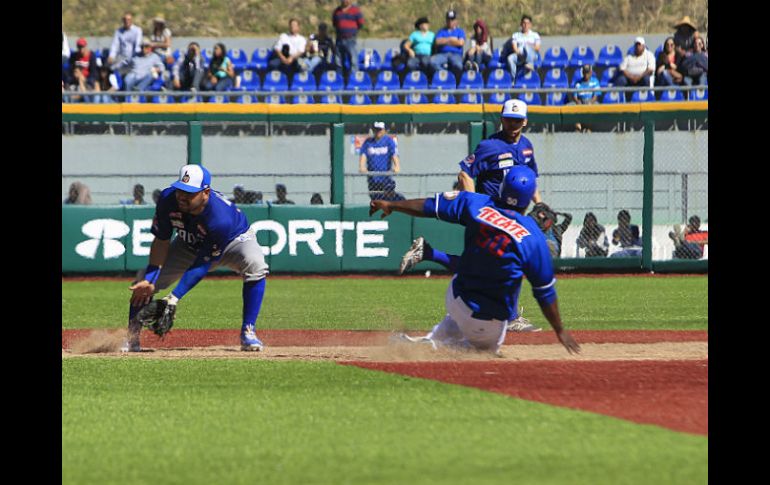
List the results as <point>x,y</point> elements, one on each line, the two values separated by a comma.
<point>296,43</point>
<point>637,65</point>
<point>531,38</point>
<point>65,46</point>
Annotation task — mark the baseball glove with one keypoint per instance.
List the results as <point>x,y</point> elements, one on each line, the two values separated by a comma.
<point>543,214</point>
<point>158,316</point>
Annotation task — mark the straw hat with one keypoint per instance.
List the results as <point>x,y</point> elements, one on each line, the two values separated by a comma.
<point>159,18</point>
<point>685,21</point>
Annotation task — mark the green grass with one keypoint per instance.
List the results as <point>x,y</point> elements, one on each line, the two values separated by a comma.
<point>387,304</point>
<point>245,421</point>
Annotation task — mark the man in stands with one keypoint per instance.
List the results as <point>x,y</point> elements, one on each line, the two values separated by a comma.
<point>347,20</point>
<point>126,43</point>
<point>289,48</point>
<point>637,67</point>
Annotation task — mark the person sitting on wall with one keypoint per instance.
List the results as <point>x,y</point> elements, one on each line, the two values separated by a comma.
<point>593,238</point>
<point>280,193</point>
<point>689,244</point>
<point>627,236</point>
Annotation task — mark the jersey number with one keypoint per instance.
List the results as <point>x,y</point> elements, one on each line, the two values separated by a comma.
<point>492,240</point>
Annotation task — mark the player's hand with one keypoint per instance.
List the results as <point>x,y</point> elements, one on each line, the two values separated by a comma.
<point>568,342</point>
<point>142,292</point>
<point>382,205</point>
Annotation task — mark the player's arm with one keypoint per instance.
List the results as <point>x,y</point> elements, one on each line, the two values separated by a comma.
<point>412,207</point>
<point>144,289</point>
<point>396,164</point>
<point>466,182</point>
<point>362,163</point>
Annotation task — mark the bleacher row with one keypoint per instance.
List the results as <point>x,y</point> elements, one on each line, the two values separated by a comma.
<point>378,73</point>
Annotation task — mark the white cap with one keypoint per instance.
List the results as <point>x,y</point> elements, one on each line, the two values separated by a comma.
<point>639,40</point>
<point>514,108</point>
<point>378,125</point>
<point>193,178</point>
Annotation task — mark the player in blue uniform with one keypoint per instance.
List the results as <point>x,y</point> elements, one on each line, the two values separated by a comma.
<point>210,232</point>
<point>501,246</point>
<point>379,153</point>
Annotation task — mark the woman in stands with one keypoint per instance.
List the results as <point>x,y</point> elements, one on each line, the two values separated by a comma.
<point>480,53</point>
<point>666,71</point>
<point>221,74</point>
<point>161,39</point>
<point>107,82</point>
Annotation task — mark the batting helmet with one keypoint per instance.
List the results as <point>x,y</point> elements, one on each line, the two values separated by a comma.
<point>518,187</point>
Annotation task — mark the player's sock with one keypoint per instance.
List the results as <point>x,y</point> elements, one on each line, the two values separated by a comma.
<point>253,292</point>
<point>449,261</point>
<point>133,310</point>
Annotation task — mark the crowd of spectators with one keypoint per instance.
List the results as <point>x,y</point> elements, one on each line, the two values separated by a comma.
<point>136,62</point>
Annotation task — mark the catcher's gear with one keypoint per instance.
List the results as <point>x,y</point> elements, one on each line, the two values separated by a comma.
<point>158,316</point>
<point>544,215</point>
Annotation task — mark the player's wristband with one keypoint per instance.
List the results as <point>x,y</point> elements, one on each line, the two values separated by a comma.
<point>151,273</point>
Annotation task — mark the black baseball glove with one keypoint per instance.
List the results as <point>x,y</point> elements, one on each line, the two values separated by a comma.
<point>158,316</point>
<point>542,213</point>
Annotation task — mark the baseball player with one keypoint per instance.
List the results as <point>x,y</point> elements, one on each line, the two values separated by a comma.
<point>501,246</point>
<point>210,232</point>
<point>379,153</point>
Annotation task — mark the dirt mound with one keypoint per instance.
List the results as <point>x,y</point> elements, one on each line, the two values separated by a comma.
<point>98,342</point>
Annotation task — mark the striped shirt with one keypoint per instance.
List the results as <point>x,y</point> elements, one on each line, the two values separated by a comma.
<point>347,21</point>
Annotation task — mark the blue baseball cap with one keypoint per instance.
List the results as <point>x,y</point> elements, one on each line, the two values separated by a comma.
<point>518,186</point>
<point>193,178</point>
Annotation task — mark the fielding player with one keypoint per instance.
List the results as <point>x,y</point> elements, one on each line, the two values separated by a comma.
<point>210,232</point>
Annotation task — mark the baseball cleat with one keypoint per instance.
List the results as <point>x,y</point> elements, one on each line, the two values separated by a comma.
<point>412,256</point>
<point>130,347</point>
<point>249,340</point>
<point>521,324</point>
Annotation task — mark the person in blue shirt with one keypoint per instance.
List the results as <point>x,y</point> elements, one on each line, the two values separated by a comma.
<point>210,232</point>
<point>419,46</point>
<point>587,81</point>
<point>379,153</point>
<point>502,245</point>
<point>449,47</point>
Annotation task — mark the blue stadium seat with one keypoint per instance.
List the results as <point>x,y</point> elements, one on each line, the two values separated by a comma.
<point>555,99</point>
<point>191,99</point>
<point>496,62</point>
<point>303,81</point>
<point>275,99</point>
<point>658,50</point>
<point>176,54</point>
<point>416,98</point>
<point>135,98</point>
<point>471,98</point>
<point>119,78</point>
<point>302,99</point>
<point>359,81</point>
<point>360,100</point>
<point>163,99</point>
<point>527,79</point>
<point>375,61</point>
<point>331,81</point>
<point>444,98</point>
<point>555,57</point>
<point>275,81</point>
<point>415,80</point>
<point>630,49</point>
<point>609,56</point>
<point>607,77</point>
<point>443,79</point>
<point>218,99</point>
<point>239,58</point>
<point>331,99</point>
<point>387,62</point>
<point>699,94</point>
<point>582,55</point>
<point>246,99</point>
<point>499,78</point>
<point>498,98</point>
<point>471,80</point>
<point>207,54</point>
<point>157,85</point>
<point>643,96</point>
<point>556,78</point>
<point>530,98</point>
<point>388,98</point>
<point>387,80</point>
<point>260,58</point>
<point>250,80</point>
<point>671,95</point>
<point>613,97</point>
<point>538,60</point>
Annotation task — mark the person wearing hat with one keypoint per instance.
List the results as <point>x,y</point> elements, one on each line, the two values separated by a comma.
<point>587,81</point>
<point>84,69</point>
<point>684,36</point>
<point>126,43</point>
<point>161,39</point>
<point>637,67</point>
<point>449,47</point>
<point>419,46</point>
<point>379,153</point>
<point>211,232</point>
<point>280,195</point>
<point>144,69</point>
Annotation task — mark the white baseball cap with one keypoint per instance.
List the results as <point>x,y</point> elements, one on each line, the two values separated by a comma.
<point>378,125</point>
<point>639,40</point>
<point>193,178</point>
<point>514,108</point>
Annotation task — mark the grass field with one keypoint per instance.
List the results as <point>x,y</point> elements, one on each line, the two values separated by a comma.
<point>387,303</point>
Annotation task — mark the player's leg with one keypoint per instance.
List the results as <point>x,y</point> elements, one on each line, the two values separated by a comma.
<point>245,256</point>
<point>422,251</point>
<point>486,335</point>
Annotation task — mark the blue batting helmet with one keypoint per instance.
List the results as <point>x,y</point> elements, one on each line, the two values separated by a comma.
<point>518,187</point>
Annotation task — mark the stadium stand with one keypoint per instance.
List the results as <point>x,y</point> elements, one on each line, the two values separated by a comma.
<point>671,95</point>
<point>642,96</point>
<point>555,78</point>
<point>275,81</point>
<point>415,80</point>
<point>699,94</point>
<point>250,80</point>
<point>470,98</point>
<point>259,59</point>
<point>374,59</point>
<point>527,80</point>
<point>387,80</point>
<point>444,98</point>
<point>303,81</point>
<point>275,99</point>
<point>359,81</point>
<point>609,56</point>
<point>443,79</point>
<point>360,100</point>
<point>239,59</point>
<point>416,98</point>
<point>613,97</point>
<point>302,99</point>
<point>331,81</point>
<point>471,80</point>
<point>581,55</point>
<point>499,78</point>
<point>331,99</point>
<point>555,57</point>
<point>530,98</point>
<point>607,76</point>
<point>388,98</point>
<point>387,63</point>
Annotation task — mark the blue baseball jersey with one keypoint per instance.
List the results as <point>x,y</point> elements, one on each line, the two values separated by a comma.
<point>501,246</point>
<point>446,48</point>
<point>379,157</point>
<point>493,157</point>
<point>208,233</point>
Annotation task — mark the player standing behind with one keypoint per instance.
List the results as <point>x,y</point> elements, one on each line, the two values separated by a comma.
<point>501,246</point>
<point>379,153</point>
<point>211,232</point>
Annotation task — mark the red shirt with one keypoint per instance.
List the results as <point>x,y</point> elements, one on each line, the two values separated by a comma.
<point>83,62</point>
<point>347,21</point>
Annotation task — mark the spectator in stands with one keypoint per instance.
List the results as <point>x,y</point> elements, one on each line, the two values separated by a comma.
<point>480,52</point>
<point>288,49</point>
<point>347,20</point>
<point>220,75</point>
<point>684,36</point>
<point>188,72</point>
<point>316,199</point>
<point>156,196</point>
<point>280,193</point>
<point>593,238</point>
<point>636,68</point>
<point>449,45</point>
<point>65,48</point>
<point>319,53</point>
<point>695,66</point>
<point>161,39</point>
<point>379,153</point>
<point>107,83</point>
<point>522,49</point>
<point>690,243</point>
<point>143,70</point>
<point>84,72</point>
<point>255,197</point>
<point>238,194</point>
<point>627,236</point>
<point>138,198</point>
<point>79,194</point>
<point>126,43</point>
<point>587,81</point>
<point>667,65</point>
<point>419,46</point>
<point>547,221</point>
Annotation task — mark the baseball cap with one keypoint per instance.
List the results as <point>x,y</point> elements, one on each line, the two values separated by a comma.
<point>451,14</point>
<point>514,108</point>
<point>193,178</point>
<point>639,40</point>
<point>82,42</point>
<point>378,125</point>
